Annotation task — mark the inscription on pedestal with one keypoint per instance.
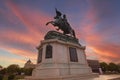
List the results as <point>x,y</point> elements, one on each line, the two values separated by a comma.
<point>40,56</point>
<point>48,51</point>
<point>73,54</point>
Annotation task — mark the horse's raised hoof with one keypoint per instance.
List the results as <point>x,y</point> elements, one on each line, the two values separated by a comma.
<point>47,24</point>
<point>57,29</point>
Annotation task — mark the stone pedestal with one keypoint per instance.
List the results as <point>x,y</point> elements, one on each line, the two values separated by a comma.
<point>61,57</point>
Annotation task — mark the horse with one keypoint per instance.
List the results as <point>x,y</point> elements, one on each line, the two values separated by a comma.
<point>62,25</point>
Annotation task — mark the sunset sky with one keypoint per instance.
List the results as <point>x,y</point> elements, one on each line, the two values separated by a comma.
<point>22,27</point>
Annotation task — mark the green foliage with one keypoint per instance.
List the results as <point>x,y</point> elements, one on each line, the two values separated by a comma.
<point>13,72</point>
<point>11,77</point>
<point>3,71</point>
<point>112,67</point>
<point>22,70</point>
<point>13,69</point>
<point>5,77</point>
<point>104,66</point>
<point>118,68</point>
<point>16,70</point>
<point>28,71</point>
<point>1,77</point>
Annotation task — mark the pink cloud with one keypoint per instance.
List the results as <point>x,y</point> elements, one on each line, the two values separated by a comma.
<point>6,61</point>
<point>33,20</point>
<point>103,50</point>
<point>20,37</point>
<point>25,53</point>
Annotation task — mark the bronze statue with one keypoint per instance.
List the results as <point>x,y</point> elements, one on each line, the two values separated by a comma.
<point>62,24</point>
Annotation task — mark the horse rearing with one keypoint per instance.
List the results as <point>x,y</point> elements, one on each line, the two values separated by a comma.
<point>62,24</point>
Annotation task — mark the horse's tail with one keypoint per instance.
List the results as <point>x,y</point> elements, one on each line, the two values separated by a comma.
<point>73,33</point>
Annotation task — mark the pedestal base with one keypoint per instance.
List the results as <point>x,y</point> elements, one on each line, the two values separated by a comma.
<point>61,57</point>
<point>67,77</point>
<point>72,71</point>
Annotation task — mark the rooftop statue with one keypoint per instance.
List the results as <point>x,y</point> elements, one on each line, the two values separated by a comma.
<point>61,22</point>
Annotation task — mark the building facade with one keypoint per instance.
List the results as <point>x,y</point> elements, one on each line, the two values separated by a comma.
<point>29,64</point>
<point>95,65</point>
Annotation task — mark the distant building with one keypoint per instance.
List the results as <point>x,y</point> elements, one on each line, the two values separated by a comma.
<point>29,64</point>
<point>95,65</point>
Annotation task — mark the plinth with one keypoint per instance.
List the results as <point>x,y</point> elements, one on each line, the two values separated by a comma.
<point>61,57</point>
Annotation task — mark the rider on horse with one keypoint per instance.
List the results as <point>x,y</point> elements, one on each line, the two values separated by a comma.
<point>62,24</point>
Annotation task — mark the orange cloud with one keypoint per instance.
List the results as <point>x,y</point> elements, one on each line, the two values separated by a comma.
<point>33,20</point>
<point>20,38</point>
<point>97,41</point>
<point>105,52</point>
<point>24,53</point>
<point>6,61</point>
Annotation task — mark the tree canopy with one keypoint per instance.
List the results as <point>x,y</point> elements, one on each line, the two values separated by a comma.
<point>111,67</point>
<point>12,69</point>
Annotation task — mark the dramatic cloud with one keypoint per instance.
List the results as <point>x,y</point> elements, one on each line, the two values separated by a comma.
<point>102,38</point>
<point>22,27</point>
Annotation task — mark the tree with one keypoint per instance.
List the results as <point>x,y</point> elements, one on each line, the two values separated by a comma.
<point>11,77</point>
<point>1,77</point>
<point>28,71</point>
<point>104,66</point>
<point>21,70</point>
<point>118,65</point>
<point>112,67</point>
<point>13,69</point>
<point>3,71</point>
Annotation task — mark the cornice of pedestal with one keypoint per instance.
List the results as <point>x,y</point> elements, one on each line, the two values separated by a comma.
<point>60,36</point>
<point>60,42</point>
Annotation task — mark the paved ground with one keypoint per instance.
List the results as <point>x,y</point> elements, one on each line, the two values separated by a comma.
<point>102,77</point>
<point>108,77</point>
<point>115,79</point>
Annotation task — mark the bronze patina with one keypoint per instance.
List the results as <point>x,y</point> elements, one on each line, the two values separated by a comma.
<point>61,22</point>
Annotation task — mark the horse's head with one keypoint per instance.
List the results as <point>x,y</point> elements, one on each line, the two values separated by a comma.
<point>56,17</point>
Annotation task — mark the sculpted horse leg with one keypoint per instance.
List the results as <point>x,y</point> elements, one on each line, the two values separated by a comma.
<point>64,33</point>
<point>54,24</point>
<point>49,22</point>
<point>73,33</point>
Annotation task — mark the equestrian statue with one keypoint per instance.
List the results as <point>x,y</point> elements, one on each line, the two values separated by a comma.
<point>61,22</point>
